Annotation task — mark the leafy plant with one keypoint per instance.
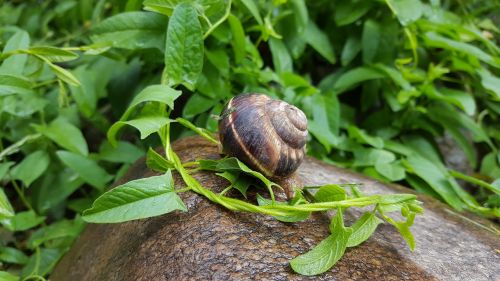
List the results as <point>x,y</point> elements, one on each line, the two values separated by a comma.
<point>379,81</point>
<point>156,195</point>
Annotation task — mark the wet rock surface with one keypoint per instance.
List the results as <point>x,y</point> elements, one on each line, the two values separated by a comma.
<point>211,243</point>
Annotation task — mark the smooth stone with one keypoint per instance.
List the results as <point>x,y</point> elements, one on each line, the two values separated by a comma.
<point>211,243</point>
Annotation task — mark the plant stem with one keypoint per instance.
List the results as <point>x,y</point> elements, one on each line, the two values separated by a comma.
<point>21,195</point>
<point>221,20</point>
<point>474,180</point>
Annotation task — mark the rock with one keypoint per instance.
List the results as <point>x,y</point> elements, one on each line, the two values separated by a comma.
<point>211,243</point>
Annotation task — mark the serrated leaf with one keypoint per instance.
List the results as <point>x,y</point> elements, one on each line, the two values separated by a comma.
<point>31,167</point>
<point>136,199</point>
<point>184,47</point>
<point>363,228</point>
<point>86,168</point>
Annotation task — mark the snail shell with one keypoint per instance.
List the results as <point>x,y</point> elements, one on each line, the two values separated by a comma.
<point>268,135</point>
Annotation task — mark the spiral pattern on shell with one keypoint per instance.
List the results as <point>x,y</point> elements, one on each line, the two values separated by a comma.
<point>268,135</point>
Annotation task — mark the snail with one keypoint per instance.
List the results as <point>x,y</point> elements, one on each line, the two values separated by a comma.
<point>267,135</point>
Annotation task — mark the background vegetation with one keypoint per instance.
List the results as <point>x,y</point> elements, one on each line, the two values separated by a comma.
<point>382,82</point>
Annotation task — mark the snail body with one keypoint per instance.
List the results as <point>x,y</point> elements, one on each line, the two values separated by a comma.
<point>266,134</point>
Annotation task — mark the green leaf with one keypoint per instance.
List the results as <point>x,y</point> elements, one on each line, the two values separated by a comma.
<point>149,122</point>
<point>393,171</point>
<point>13,84</point>
<point>234,165</point>
<point>490,82</point>
<point>61,73</point>
<point>325,254</point>
<point>200,131</point>
<point>6,210</point>
<point>132,30</point>
<point>319,41</point>
<point>31,167</point>
<point>154,93</point>
<point>362,137</point>
<point>407,11</point>
<point>372,156</point>
<point>6,276</point>
<point>347,12</point>
<point>431,174</point>
<point>158,163</point>
<point>354,76</point>
<point>42,262</point>
<point>23,221</point>
<point>123,152</point>
<point>4,168</point>
<point>67,229</point>
<point>432,39</point>
<point>136,199</point>
<point>146,125</point>
<point>363,228</point>
<point>324,124</point>
<point>370,40</point>
<point>12,255</point>
<point>23,104</point>
<point>65,135</point>
<point>254,10</point>
<point>86,168</point>
<point>299,11</point>
<point>14,65</point>
<point>330,193</point>
<point>53,54</point>
<point>238,41</point>
<point>197,104</point>
<point>238,181</point>
<point>184,47</point>
<point>351,49</point>
<point>282,60</point>
<point>57,184</point>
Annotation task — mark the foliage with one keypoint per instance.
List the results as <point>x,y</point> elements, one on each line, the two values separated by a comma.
<point>378,80</point>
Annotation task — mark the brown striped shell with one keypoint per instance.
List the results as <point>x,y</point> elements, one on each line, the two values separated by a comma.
<point>268,135</point>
